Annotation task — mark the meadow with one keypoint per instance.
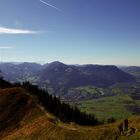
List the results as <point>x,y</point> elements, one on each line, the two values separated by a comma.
<point>118,107</point>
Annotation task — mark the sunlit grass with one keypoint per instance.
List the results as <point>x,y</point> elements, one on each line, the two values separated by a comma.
<point>107,107</point>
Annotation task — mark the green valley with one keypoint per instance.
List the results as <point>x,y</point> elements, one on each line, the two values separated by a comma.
<point>118,107</point>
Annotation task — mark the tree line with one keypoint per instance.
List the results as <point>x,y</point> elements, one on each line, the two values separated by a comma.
<point>63,111</point>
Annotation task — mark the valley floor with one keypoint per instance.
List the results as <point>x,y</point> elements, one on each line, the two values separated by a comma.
<point>118,107</point>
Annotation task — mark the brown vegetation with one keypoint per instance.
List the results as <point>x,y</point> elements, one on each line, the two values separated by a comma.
<point>15,106</point>
<point>22,119</point>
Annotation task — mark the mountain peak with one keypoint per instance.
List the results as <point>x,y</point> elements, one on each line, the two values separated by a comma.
<point>56,63</point>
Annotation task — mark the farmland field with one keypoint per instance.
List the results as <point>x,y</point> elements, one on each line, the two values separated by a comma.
<point>118,107</point>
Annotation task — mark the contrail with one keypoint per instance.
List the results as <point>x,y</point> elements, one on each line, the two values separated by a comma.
<point>50,5</point>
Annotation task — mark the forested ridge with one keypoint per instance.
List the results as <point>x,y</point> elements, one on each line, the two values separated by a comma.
<point>63,111</point>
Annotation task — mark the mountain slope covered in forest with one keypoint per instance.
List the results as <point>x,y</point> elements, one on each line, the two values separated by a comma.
<point>59,78</point>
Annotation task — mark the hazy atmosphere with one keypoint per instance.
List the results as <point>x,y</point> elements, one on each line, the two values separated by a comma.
<point>71,31</point>
<point>69,69</point>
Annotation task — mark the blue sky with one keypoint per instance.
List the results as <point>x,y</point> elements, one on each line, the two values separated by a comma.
<point>71,31</point>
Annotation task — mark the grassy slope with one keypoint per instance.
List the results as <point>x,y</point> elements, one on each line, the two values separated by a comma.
<point>43,129</point>
<point>35,124</point>
<point>16,110</point>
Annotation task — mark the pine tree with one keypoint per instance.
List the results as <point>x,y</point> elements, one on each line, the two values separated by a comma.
<point>1,77</point>
<point>63,111</point>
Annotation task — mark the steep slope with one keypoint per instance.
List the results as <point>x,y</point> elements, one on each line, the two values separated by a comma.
<point>133,70</point>
<point>22,118</point>
<point>16,107</point>
<point>43,129</point>
<point>130,69</point>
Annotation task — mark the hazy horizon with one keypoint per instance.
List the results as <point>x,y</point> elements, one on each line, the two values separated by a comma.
<point>73,32</point>
<point>48,62</point>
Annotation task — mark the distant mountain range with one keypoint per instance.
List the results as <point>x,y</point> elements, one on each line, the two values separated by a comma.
<point>59,78</point>
<point>133,70</point>
<point>22,116</point>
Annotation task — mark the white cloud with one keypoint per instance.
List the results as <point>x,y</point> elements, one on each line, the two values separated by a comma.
<point>4,30</point>
<point>6,47</point>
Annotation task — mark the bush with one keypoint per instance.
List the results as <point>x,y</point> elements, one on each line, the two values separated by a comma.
<point>111,120</point>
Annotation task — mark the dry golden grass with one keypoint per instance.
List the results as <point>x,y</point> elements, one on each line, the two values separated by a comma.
<point>32,123</point>
<point>43,129</point>
<point>16,108</point>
